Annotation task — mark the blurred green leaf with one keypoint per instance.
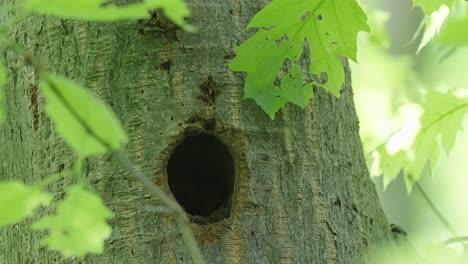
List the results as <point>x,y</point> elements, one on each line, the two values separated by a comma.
<point>79,226</point>
<point>330,27</point>
<point>102,10</point>
<point>84,121</point>
<point>2,95</point>
<point>429,6</point>
<point>390,164</point>
<point>442,118</point>
<point>18,201</point>
<point>378,20</point>
<point>384,78</point>
<point>455,30</point>
<point>432,26</point>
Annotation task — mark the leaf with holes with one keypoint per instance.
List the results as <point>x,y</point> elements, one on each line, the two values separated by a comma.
<point>84,121</point>
<point>102,10</point>
<point>330,28</point>
<point>79,226</point>
<point>442,119</point>
<point>18,201</point>
<point>295,89</point>
<point>2,82</point>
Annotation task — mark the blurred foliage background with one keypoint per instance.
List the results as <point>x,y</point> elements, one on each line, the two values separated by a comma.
<point>390,82</point>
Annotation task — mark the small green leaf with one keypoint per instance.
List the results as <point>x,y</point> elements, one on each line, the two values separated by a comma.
<point>2,82</point>
<point>84,121</point>
<point>103,11</point>
<point>79,226</point>
<point>429,6</point>
<point>18,201</point>
<point>330,28</point>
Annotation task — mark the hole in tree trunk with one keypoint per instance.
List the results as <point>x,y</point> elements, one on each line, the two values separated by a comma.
<point>201,175</point>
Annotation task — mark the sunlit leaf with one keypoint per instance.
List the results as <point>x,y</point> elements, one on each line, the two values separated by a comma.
<point>378,20</point>
<point>84,121</point>
<point>79,226</point>
<point>442,119</point>
<point>432,26</point>
<point>429,6</point>
<point>18,201</point>
<point>455,30</point>
<point>390,165</point>
<point>330,28</point>
<point>103,10</point>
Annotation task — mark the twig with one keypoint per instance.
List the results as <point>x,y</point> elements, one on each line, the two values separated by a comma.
<point>456,240</point>
<point>175,209</point>
<point>52,178</point>
<point>434,209</point>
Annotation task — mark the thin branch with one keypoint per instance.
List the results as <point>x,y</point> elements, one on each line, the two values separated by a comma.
<point>176,210</point>
<point>52,178</point>
<point>434,209</point>
<point>452,240</point>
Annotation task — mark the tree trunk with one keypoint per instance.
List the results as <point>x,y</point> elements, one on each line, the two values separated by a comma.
<point>296,191</point>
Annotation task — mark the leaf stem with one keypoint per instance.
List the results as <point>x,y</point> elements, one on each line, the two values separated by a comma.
<point>175,209</point>
<point>52,178</point>
<point>459,239</point>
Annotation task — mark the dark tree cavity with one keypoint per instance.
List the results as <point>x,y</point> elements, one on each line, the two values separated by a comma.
<point>201,174</point>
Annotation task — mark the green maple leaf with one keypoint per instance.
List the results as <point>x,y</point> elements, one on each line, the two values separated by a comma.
<point>79,226</point>
<point>442,119</point>
<point>330,28</point>
<point>18,201</point>
<point>429,6</point>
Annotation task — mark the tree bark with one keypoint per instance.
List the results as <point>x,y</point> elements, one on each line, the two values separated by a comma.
<point>301,192</point>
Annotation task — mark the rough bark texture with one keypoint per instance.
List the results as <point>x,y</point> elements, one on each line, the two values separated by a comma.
<point>302,191</point>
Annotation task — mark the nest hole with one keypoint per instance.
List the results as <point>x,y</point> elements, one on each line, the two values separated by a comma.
<point>201,175</point>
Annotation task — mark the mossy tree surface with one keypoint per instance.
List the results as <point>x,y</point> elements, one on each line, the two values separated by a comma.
<point>302,193</point>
